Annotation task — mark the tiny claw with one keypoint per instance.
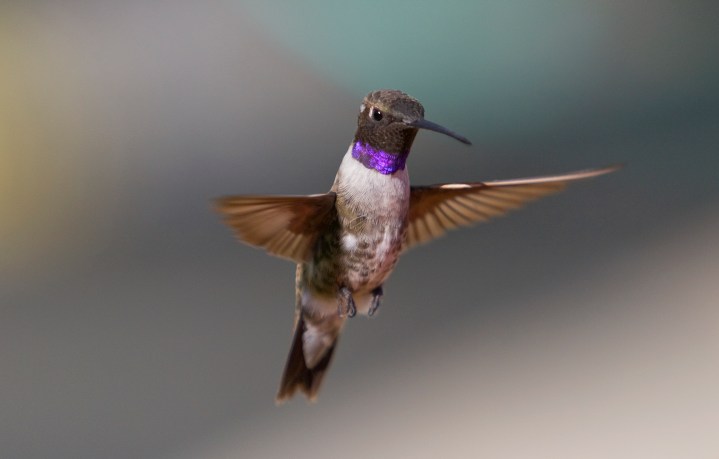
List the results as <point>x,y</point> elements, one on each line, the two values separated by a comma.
<point>346,304</point>
<point>376,298</point>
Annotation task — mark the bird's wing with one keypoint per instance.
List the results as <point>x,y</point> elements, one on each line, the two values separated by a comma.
<point>285,226</point>
<point>435,209</point>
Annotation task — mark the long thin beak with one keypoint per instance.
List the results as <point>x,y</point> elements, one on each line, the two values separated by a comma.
<point>424,124</point>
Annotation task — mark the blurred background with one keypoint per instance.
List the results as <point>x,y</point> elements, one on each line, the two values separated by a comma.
<point>133,325</point>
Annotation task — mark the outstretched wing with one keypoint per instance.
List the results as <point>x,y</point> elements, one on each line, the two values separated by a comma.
<point>435,209</point>
<point>285,226</point>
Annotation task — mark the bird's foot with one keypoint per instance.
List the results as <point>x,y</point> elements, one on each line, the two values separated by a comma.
<point>346,306</point>
<point>376,299</point>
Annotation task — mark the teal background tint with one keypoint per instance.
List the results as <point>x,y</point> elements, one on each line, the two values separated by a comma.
<point>133,325</point>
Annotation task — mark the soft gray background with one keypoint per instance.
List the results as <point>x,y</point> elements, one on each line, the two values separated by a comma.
<point>132,325</point>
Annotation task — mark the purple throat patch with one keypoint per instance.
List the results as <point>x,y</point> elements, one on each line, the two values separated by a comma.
<point>381,161</point>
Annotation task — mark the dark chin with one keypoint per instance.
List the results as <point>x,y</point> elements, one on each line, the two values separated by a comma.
<point>409,135</point>
<point>396,138</point>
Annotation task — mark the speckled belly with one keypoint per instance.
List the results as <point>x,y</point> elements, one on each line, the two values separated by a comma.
<point>372,210</point>
<point>370,258</point>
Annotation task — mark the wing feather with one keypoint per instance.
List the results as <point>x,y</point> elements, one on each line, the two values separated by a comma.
<point>436,209</point>
<point>285,226</point>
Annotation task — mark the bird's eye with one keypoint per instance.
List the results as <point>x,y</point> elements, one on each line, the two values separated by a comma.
<point>375,114</point>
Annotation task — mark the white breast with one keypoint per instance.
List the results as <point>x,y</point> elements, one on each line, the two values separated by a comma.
<point>380,193</point>
<point>383,201</point>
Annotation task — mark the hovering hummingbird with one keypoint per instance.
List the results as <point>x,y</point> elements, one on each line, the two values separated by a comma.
<point>347,241</point>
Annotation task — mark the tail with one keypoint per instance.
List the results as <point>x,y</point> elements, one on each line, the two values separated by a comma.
<point>313,344</point>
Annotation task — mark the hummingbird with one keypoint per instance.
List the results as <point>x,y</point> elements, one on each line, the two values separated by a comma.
<point>346,242</point>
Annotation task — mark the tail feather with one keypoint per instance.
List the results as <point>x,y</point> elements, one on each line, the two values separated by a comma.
<point>297,375</point>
